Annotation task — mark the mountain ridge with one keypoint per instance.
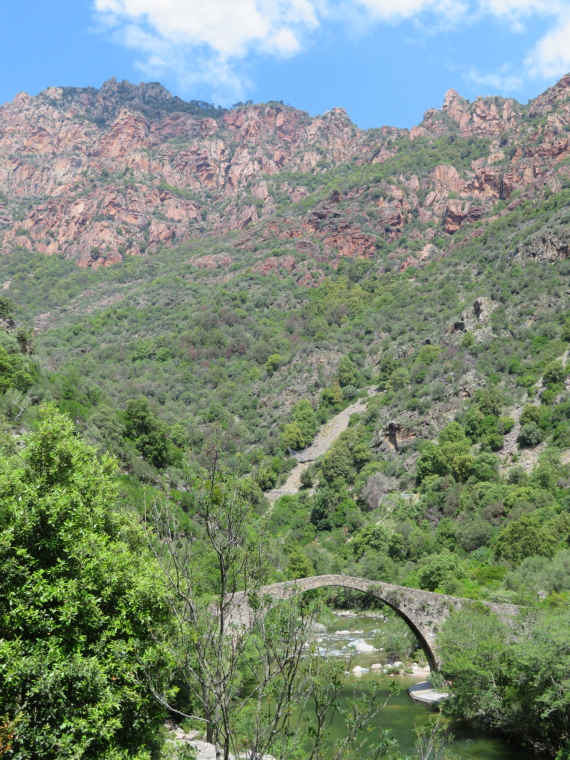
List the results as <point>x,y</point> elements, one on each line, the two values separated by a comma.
<point>97,175</point>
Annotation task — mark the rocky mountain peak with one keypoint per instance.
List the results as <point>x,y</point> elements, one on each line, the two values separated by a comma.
<point>128,169</point>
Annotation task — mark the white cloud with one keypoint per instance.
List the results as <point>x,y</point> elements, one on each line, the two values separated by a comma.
<point>550,56</point>
<point>211,41</point>
<point>228,26</point>
<point>393,10</point>
<point>206,40</point>
<point>518,8</point>
<point>503,79</point>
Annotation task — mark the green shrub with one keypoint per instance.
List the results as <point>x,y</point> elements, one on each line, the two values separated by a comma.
<point>524,538</point>
<point>530,435</point>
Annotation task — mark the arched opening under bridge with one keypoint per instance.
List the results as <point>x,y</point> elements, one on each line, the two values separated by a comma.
<point>423,611</point>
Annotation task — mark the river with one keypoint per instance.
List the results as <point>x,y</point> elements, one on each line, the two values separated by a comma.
<point>402,714</point>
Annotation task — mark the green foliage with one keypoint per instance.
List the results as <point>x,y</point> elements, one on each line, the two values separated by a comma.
<point>215,359</point>
<point>304,416</point>
<point>439,571</point>
<point>451,456</point>
<point>372,537</point>
<point>299,565</point>
<point>346,456</point>
<point>78,590</point>
<point>530,435</point>
<point>273,363</point>
<point>473,646</point>
<point>513,682</point>
<point>147,432</point>
<point>14,372</point>
<point>554,373</point>
<point>331,397</point>
<point>292,437</point>
<point>432,738</point>
<point>6,308</point>
<point>524,538</point>
<point>346,373</point>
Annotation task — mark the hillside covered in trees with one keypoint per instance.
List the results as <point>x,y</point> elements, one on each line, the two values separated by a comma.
<point>199,289</point>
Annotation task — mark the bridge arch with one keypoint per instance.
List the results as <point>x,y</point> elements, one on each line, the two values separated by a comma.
<point>423,611</point>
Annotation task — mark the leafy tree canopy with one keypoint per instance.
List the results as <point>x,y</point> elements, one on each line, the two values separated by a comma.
<point>77,593</point>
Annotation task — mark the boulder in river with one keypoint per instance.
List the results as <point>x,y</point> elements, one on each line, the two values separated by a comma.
<point>361,646</point>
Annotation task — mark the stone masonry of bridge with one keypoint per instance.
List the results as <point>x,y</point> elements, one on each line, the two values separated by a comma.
<point>423,611</point>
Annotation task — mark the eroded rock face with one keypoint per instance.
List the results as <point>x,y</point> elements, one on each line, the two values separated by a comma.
<point>545,246</point>
<point>476,319</point>
<point>97,175</point>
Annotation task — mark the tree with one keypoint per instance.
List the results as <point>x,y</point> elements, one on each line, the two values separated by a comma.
<point>523,538</point>
<point>306,478</point>
<point>375,537</point>
<point>324,504</point>
<point>292,437</point>
<point>513,677</point>
<point>337,462</point>
<point>273,363</point>
<point>14,372</point>
<point>6,309</point>
<point>489,401</point>
<point>147,432</point>
<point>77,591</point>
<point>438,569</point>
<point>304,415</point>
<point>346,373</point>
<point>530,435</point>
<point>485,468</point>
<point>537,702</point>
<point>473,646</point>
<point>210,569</point>
<point>299,565</point>
<point>530,413</point>
<point>331,397</point>
<point>554,373</point>
<point>432,738</point>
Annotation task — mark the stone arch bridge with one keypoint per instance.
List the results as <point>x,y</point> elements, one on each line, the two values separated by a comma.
<point>423,611</point>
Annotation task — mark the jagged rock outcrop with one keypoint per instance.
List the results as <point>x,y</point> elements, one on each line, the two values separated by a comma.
<point>100,174</point>
<point>548,245</point>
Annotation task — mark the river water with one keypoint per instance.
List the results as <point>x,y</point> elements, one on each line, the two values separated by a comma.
<point>402,714</point>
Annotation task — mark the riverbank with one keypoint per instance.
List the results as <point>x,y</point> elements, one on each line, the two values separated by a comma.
<point>402,713</point>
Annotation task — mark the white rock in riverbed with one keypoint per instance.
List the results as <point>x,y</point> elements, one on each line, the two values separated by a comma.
<point>376,666</point>
<point>361,646</point>
<point>205,750</point>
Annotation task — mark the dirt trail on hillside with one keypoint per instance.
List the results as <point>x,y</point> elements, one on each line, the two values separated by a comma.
<point>324,439</point>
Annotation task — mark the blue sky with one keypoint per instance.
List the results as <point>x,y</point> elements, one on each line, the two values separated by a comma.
<point>385,61</point>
